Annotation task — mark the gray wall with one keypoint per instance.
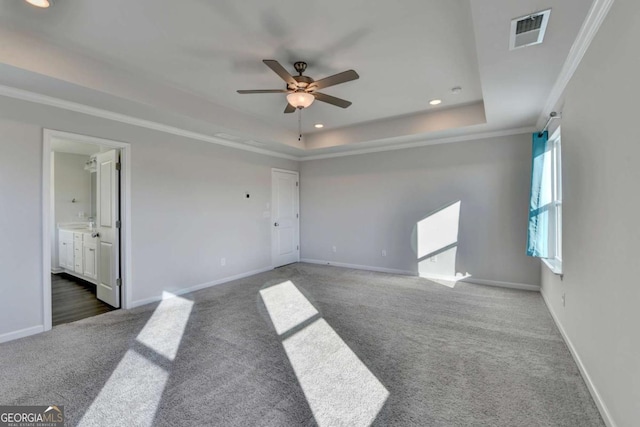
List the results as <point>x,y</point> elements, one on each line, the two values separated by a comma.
<point>20,226</point>
<point>601,203</point>
<point>364,204</point>
<point>188,209</point>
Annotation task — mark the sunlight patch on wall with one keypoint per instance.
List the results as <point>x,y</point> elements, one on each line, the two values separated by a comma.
<point>438,230</point>
<point>437,246</point>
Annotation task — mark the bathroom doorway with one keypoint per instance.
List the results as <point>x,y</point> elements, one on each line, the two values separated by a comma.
<point>86,203</point>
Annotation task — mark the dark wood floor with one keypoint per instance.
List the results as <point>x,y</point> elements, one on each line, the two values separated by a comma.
<point>74,299</point>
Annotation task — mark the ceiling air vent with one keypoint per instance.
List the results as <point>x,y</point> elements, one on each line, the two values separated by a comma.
<point>529,30</point>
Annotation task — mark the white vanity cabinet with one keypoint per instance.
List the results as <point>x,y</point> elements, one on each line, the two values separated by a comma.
<point>78,253</point>
<point>90,256</point>
<point>65,249</point>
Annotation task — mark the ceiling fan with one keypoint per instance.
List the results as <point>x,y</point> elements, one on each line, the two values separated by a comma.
<point>301,89</point>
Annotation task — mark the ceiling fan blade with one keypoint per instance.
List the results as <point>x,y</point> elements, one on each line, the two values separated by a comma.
<point>290,109</point>
<point>336,79</point>
<point>280,70</point>
<point>263,91</point>
<point>331,99</point>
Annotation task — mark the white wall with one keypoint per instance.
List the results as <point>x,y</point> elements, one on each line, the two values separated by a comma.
<point>601,234</point>
<point>364,204</point>
<point>71,181</point>
<point>188,208</point>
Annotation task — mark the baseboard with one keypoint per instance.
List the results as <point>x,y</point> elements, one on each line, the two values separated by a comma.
<point>511,285</point>
<point>183,291</point>
<point>499,284</point>
<point>79,276</point>
<point>57,270</point>
<point>604,411</point>
<point>442,277</point>
<point>359,267</point>
<point>10,336</point>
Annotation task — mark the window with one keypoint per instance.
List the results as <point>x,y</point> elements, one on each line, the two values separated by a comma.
<point>554,261</point>
<point>544,238</point>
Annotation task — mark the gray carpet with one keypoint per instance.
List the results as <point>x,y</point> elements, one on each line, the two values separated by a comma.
<point>435,356</point>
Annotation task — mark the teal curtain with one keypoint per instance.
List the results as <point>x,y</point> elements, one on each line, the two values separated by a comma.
<point>540,204</point>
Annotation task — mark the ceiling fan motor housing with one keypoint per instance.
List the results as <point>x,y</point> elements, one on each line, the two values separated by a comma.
<point>303,82</point>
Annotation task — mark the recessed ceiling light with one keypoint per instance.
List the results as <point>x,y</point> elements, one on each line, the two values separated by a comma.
<point>456,90</point>
<point>318,125</point>
<point>40,3</point>
<point>435,101</point>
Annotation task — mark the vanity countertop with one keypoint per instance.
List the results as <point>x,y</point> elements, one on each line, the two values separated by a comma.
<point>78,227</point>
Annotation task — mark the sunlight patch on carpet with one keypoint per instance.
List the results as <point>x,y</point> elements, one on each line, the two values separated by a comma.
<point>339,388</point>
<point>133,392</point>
<point>287,306</point>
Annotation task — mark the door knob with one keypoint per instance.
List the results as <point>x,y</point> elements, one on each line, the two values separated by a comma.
<point>95,234</point>
<point>276,224</point>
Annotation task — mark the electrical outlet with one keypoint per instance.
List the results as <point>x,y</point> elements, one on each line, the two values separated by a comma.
<point>334,249</point>
<point>223,261</point>
<point>564,299</point>
<point>384,252</point>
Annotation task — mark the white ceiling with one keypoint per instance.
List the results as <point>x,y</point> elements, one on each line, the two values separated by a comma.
<point>181,62</point>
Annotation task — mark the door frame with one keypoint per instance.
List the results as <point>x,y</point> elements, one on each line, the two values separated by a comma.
<point>48,136</point>
<point>297,174</point>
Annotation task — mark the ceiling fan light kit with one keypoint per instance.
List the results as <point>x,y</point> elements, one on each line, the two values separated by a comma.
<point>40,3</point>
<point>302,90</point>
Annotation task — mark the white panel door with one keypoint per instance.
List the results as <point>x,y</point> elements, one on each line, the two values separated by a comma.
<point>107,219</point>
<point>285,218</point>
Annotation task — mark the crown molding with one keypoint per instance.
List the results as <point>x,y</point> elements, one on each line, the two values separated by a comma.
<point>461,138</point>
<point>28,96</point>
<point>25,95</point>
<point>588,31</point>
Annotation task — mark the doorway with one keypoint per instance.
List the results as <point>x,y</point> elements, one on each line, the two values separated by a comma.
<point>285,208</point>
<point>86,237</point>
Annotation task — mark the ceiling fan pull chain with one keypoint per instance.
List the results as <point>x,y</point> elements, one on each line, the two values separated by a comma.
<point>299,124</point>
